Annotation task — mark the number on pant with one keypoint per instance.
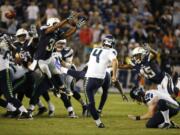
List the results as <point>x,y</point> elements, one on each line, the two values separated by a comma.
<point>97,54</point>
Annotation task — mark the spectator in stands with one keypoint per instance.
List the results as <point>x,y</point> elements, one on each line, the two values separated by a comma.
<point>169,39</point>
<point>32,12</point>
<point>51,11</point>
<point>86,37</point>
<point>3,10</point>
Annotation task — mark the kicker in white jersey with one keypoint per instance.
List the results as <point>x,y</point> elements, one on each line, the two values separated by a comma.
<point>99,59</point>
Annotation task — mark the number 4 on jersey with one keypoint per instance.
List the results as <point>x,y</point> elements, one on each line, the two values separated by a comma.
<point>97,53</point>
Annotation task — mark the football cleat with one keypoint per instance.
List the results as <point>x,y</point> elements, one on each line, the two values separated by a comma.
<point>51,113</point>
<point>25,115</point>
<point>12,114</point>
<point>101,125</point>
<point>72,115</point>
<point>41,111</point>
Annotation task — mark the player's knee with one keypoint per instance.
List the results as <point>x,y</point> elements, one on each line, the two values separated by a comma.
<point>162,105</point>
<point>150,124</point>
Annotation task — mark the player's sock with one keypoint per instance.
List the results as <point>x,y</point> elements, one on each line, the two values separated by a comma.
<point>31,107</point>
<point>166,116</point>
<point>51,106</point>
<point>70,109</point>
<point>82,102</point>
<point>22,109</point>
<point>77,96</point>
<point>40,104</point>
<point>98,122</point>
<point>10,107</point>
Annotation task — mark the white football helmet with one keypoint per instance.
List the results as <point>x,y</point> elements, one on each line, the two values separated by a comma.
<point>52,21</point>
<point>21,31</point>
<point>138,54</point>
<point>109,41</point>
<point>60,45</point>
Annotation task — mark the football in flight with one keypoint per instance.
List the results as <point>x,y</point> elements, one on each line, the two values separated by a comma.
<point>10,14</point>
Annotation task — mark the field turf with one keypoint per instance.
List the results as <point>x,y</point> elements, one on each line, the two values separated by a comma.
<point>114,117</point>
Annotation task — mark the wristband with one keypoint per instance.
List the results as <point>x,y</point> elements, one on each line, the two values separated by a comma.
<point>138,118</point>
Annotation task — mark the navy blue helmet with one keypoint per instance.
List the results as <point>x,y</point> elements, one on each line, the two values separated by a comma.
<point>137,94</point>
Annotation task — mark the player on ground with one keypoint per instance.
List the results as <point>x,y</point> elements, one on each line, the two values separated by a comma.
<point>161,107</point>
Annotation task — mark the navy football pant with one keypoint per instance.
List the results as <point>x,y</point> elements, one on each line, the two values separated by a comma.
<point>91,86</point>
<point>105,87</point>
<point>7,89</point>
<point>3,103</point>
<point>158,117</point>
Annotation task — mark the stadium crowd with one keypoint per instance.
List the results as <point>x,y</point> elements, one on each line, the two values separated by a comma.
<point>130,22</point>
<point>105,36</point>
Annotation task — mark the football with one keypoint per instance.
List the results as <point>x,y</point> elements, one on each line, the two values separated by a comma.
<point>10,14</point>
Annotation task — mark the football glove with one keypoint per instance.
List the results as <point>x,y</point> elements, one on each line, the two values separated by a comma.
<point>81,22</point>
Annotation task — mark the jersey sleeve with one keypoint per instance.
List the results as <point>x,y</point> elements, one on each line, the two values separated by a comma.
<point>149,97</point>
<point>131,63</point>
<point>112,54</point>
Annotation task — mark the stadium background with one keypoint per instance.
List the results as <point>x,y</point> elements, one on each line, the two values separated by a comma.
<point>156,22</point>
<point>130,21</point>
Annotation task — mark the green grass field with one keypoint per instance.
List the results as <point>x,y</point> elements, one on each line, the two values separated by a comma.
<point>114,117</point>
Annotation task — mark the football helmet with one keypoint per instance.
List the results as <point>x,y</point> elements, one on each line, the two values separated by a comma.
<point>51,21</point>
<point>60,44</point>
<point>21,31</point>
<point>137,93</point>
<point>138,55</point>
<point>108,41</point>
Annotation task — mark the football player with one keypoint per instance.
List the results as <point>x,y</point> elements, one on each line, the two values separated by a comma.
<point>161,107</point>
<point>23,53</point>
<point>49,35</point>
<point>98,62</point>
<point>143,60</point>
<point>67,57</point>
<point>6,78</point>
<point>48,65</point>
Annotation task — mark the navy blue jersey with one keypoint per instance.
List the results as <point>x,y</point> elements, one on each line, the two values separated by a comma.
<point>47,42</point>
<point>66,53</point>
<point>150,70</point>
<point>26,51</point>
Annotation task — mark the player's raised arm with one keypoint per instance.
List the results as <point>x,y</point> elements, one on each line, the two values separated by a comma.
<point>153,53</point>
<point>125,66</point>
<point>59,24</point>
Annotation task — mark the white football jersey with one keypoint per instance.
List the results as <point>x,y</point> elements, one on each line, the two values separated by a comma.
<point>4,63</point>
<point>151,94</point>
<point>178,83</point>
<point>98,62</point>
<point>4,55</point>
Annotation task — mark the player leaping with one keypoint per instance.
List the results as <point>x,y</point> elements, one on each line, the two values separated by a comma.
<point>143,60</point>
